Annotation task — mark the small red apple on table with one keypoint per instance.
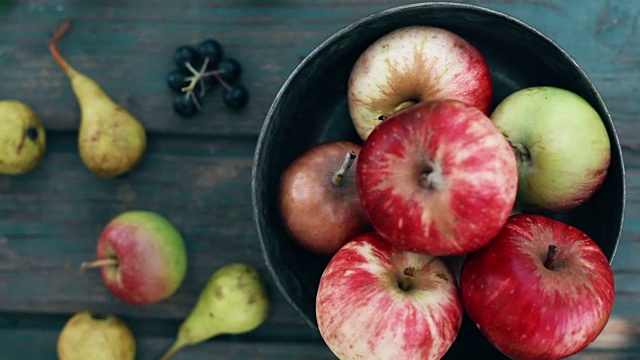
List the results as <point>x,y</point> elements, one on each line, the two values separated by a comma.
<point>437,178</point>
<point>377,302</point>
<point>141,256</point>
<point>318,199</point>
<point>542,289</point>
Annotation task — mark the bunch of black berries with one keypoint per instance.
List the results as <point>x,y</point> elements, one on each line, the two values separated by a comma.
<point>198,70</point>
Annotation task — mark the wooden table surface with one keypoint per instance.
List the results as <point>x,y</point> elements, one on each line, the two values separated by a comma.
<point>197,171</point>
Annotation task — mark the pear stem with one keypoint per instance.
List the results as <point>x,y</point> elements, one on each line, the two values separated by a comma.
<point>99,263</point>
<point>62,30</point>
<point>177,346</point>
<point>339,175</point>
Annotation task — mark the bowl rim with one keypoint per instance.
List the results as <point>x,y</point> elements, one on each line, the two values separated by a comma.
<point>259,154</point>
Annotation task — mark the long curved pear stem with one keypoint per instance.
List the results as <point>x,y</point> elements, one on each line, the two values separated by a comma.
<point>177,346</point>
<point>62,30</point>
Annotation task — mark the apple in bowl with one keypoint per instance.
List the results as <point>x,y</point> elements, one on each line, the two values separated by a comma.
<point>437,178</point>
<point>542,289</point>
<point>414,64</point>
<point>318,200</point>
<point>561,145</point>
<point>378,302</point>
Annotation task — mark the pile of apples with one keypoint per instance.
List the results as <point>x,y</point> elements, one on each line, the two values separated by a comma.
<point>441,178</point>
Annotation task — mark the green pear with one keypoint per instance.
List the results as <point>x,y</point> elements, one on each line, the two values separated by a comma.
<point>23,139</point>
<point>234,301</point>
<point>111,140</point>
<point>97,337</point>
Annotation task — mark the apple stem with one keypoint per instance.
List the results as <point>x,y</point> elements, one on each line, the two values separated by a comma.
<point>99,263</point>
<point>551,255</point>
<point>405,281</point>
<point>339,175</point>
<point>520,149</point>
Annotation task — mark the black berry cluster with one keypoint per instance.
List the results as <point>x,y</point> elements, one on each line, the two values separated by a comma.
<point>199,69</point>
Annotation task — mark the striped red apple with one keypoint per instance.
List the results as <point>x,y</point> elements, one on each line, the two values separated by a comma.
<point>377,302</point>
<point>413,64</point>
<point>437,178</point>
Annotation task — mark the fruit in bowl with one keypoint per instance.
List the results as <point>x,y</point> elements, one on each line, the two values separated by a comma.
<point>437,178</point>
<point>518,57</point>
<point>561,145</point>
<point>414,64</point>
<point>540,290</point>
<point>378,302</point>
<point>318,198</point>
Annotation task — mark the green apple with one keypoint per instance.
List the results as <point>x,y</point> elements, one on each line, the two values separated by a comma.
<point>561,145</point>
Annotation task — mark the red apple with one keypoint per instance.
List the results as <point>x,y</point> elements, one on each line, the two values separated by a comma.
<point>542,289</point>
<point>377,302</point>
<point>437,178</point>
<point>318,199</point>
<point>413,64</point>
<point>141,256</point>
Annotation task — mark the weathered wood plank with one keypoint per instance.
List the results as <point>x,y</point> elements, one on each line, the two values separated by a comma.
<point>50,220</point>
<point>197,171</point>
<point>41,344</point>
<point>128,50</point>
<point>617,342</point>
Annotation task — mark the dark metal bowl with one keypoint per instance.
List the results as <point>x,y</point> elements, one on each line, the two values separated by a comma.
<point>311,108</point>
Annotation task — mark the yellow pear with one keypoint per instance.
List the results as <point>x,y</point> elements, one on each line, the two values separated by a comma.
<point>22,138</point>
<point>96,337</point>
<point>111,140</point>
<point>234,301</point>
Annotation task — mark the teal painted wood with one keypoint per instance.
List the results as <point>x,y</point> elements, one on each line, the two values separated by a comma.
<point>197,171</point>
<point>128,48</point>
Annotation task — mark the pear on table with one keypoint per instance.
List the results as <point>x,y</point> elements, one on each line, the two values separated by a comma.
<point>23,139</point>
<point>96,336</point>
<point>234,301</point>
<point>111,140</point>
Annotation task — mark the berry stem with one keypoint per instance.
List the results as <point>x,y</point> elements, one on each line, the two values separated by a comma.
<point>339,175</point>
<point>99,263</point>
<point>552,250</point>
<point>217,73</point>
<point>194,80</point>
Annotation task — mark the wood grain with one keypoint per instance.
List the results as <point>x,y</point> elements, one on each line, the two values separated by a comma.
<point>197,171</point>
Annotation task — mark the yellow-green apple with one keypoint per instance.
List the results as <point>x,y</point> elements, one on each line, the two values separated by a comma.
<point>318,200</point>
<point>561,145</point>
<point>437,178</point>
<point>375,301</point>
<point>142,257</point>
<point>542,289</point>
<point>413,64</point>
